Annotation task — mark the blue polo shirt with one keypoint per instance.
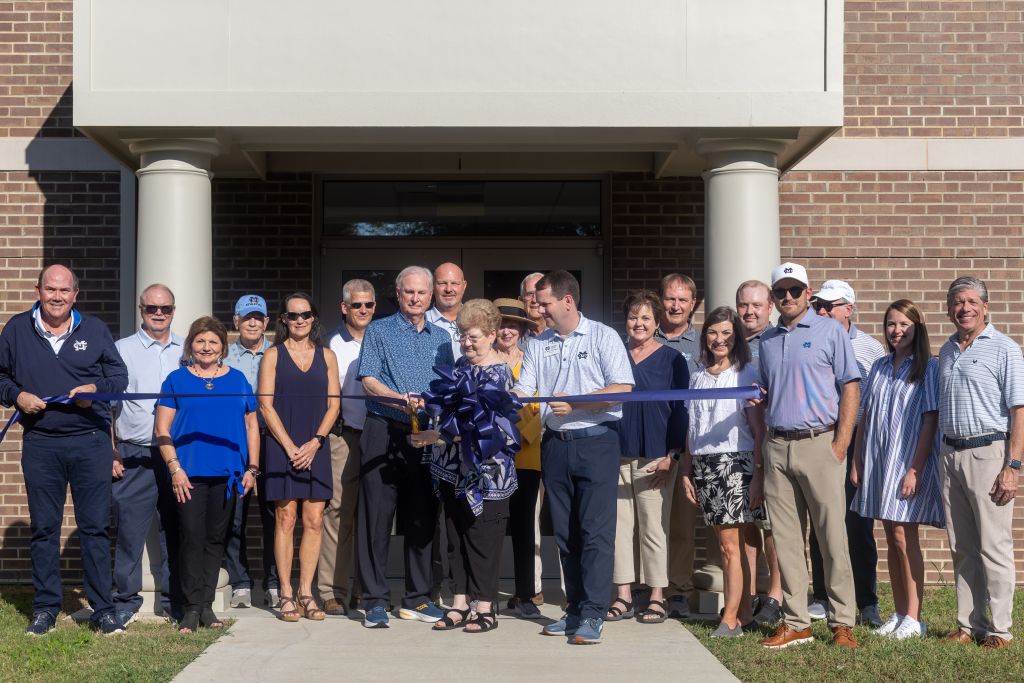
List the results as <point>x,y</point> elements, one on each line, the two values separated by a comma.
<point>402,358</point>
<point>804,369</point>
<point>979,385</point>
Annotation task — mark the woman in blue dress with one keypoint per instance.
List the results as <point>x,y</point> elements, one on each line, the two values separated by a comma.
<point>896,468</point>
<point>211,447</point>
<point>299,389</point>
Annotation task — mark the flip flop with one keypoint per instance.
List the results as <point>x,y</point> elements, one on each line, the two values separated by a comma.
<point>620,614</point>
<point>658,616</point>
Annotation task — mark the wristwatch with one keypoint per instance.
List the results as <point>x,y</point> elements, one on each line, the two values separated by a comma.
<point>1014,464</point>
<point>320,439</point>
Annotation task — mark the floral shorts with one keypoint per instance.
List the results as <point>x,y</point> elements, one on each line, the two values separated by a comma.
<point>723,486</point>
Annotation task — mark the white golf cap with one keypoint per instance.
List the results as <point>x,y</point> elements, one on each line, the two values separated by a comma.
<point>792,271</point>
<point>833,290</point>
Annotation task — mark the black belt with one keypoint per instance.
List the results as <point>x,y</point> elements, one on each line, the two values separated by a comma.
<point>974,441</point>
<point>798,434</point>
<point>351,430</point>
<point>574,434</point>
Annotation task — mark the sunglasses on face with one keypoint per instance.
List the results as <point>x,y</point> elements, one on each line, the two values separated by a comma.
<point>359,304</point>
<point>292,316</point>
<point>153,310</point>
<point>794,292</point>
<point>827,306</point>
<point>255,316</point>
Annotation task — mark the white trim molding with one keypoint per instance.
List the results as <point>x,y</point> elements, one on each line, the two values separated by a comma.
<point>54,154</point>
<point>916,154</point>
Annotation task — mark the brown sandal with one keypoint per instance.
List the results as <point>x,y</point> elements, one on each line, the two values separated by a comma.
<point>313,613</point>
<point>289,615</point>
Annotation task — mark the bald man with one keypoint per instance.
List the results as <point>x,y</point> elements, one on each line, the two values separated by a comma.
<point>449,288</point>
<point>53,350</point>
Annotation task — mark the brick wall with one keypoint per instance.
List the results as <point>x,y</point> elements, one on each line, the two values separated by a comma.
<point>926,68</point>
<point>35,69</point>
<point>71,218</point>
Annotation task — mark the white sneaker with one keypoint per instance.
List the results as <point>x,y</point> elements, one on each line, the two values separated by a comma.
<point>241,597</point>
<point>273,598</point>
<point>817,609</point>
<point>909,628</point>
<point>890,626</point>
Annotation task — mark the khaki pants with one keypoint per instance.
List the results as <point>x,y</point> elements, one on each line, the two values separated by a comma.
<point>682,533</point>
<point>980,537</point>
<point>642,516</point>
<point>804,477</point>
<point>337,558</point>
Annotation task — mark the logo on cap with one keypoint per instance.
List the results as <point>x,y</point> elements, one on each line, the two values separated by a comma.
<point>788,270</point>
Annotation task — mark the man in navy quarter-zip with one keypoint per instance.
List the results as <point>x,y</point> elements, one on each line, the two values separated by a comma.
<point>53,350</point>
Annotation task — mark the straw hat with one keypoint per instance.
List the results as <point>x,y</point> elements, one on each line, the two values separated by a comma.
<point>513,309</point>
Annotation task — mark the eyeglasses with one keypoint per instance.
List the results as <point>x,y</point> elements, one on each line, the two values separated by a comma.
<point>153,310</point>
<point>826,305</point>
<point>530,295</point>
<point>359,304</point>
<point>292,316</point>
<point>255,316</point>
<point>794,292</point>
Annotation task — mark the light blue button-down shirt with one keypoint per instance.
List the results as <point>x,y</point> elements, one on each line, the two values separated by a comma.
<point>247,362</point>
<point>589,358</point>
<point>450,326</point>
<point>803,370</point>
<point>148,363</point>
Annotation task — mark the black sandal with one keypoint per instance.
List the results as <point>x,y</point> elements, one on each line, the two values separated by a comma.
<point>446,623</point>
<point>485,621</point>
<point>620,614</point>
<point>189,623</point>
<point>658,616</point>
<point>210,620</point>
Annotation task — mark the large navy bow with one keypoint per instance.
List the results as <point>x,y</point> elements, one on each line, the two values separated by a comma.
<point>474,408</point>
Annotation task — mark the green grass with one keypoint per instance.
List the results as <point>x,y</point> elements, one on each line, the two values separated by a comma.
<point>75,653</point>
<point>877,659</point>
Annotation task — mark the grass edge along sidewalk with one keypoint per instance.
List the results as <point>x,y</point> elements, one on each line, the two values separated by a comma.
<point>75,653</point>
<point>878,658</point>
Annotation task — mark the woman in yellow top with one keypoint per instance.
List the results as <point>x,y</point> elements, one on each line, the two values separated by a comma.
<point>523,504</point>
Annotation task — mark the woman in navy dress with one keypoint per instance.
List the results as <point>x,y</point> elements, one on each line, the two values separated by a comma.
<point>651,435</point>
<point>296,376</point>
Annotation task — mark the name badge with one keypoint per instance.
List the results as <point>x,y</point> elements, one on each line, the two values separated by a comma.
<point>551,350</point>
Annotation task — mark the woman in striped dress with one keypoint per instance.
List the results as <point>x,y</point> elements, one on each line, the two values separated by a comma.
<point>896,468</point>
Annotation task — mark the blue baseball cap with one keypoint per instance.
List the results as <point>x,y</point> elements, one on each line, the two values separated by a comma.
<point>250,303</point>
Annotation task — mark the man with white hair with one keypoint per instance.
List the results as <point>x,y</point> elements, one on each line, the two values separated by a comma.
<point>981,416</point>
<point>528,295</point>
<point>396,361</point>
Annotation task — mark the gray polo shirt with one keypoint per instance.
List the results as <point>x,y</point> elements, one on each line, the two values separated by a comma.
<point>687,343</point>
<point>978,386</point>
<point>589,358</point>
<point>754,344</point>
<point>803,369</point>
<point>866,350</point>
<point>248,363</point>
<point>148,363</point>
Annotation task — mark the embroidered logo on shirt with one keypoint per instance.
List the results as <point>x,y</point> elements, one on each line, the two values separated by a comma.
<point>807,344</point>
<point>81,345</point>
<point>582,355</point>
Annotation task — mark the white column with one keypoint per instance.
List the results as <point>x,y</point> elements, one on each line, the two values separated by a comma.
<point>741,224</point>
<point>175,240</point>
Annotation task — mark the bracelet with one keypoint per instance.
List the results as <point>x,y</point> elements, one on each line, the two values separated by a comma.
<point>176,470</point>
<point>253,470</point>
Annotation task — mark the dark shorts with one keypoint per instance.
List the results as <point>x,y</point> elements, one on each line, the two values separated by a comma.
<point>723,487</point>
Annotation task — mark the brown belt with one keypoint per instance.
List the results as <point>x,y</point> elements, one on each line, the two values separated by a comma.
<point>797,434</point>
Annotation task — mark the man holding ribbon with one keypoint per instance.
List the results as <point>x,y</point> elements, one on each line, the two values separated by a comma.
<point>395,364</point>
<point>54,351</point>
<point>579,452</point>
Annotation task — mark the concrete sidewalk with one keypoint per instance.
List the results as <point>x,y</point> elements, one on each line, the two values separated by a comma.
<point>259,647</point>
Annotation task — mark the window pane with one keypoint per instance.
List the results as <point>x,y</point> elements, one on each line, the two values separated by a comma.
<point>462,208</point>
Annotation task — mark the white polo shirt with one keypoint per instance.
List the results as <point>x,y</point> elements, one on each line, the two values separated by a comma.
<point>346,348</point>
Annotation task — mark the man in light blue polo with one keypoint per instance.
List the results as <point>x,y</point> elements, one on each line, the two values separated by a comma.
<point>810,372</point>
<point>245,355</point>
<point>981,416</point>
<point>579,451</point>
<point>141,487</point>
<point>397,359</point>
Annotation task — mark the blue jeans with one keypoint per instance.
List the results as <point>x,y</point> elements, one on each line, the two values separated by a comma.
<point>143,491</point>
<point>49,464</point>
<point>581,480</point>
